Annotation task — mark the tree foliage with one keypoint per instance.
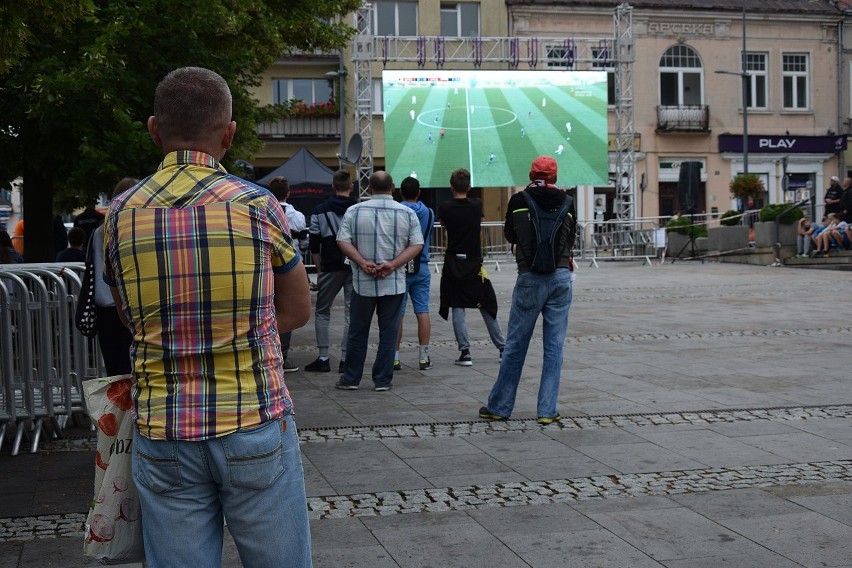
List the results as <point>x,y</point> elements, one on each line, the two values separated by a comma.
<point>76,94</point>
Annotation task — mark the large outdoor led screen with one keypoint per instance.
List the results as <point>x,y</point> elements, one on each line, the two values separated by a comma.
<point>494,123</point>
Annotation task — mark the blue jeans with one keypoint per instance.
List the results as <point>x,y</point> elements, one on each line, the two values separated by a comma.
<point>361,310</point>
<point>548,295</point>
<point>253,477</point>
<point>491,324</point>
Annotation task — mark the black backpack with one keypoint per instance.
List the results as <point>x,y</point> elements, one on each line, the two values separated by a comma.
<point>546,225</point>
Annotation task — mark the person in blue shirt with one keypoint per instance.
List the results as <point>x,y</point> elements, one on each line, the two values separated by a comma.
<point>417,284</point>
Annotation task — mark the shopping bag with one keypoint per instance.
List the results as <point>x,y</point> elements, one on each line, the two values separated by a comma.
<point>113,529</point>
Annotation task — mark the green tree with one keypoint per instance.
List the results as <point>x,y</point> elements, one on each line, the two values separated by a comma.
<point>77,101</point>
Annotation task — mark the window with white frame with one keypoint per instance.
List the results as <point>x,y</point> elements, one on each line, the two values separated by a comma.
<point>394,18</point>
<point>681,77</point>
<point>460,19</point>
<point>601,62</point>
<point>756,65</point>
<point>309,91</point>
<point>559,56</point>
<point>794,71</point>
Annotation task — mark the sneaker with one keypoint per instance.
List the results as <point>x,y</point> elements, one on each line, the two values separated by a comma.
<point>548,419</point>
<point>382,388</point>
<point>340,367</point>
<point>289,367</point>
<point>425,364</point>
<point>312,285</point>
<point>488,415</point>
<point>464,359</point>
<point>397,366</point>
<point>318,366</point>
<point>344,386</point>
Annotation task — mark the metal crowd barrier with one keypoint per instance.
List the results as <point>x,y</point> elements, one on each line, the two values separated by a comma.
<point>43,357</point>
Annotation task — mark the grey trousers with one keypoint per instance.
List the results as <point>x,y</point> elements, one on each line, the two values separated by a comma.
<point>491,324</point>
<point>328,287</point>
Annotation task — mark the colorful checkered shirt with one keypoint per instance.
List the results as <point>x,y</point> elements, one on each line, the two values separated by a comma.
<point>380,229</point>
<point>192,251</point>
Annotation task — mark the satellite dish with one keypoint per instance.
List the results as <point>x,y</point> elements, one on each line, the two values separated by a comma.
<point>353,151</point>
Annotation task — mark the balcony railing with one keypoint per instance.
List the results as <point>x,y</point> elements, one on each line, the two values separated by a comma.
<point>316,127</point>
<point>684,118</point>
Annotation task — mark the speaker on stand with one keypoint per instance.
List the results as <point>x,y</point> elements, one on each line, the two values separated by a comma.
<point>688,184</point>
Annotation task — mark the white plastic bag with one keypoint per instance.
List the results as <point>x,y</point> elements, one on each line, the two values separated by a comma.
<point>114,524</point>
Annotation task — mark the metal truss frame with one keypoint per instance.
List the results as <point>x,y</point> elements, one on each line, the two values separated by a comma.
<point>608,53</point>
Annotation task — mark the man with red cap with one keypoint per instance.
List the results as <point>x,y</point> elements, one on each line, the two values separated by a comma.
<point>540,222</point>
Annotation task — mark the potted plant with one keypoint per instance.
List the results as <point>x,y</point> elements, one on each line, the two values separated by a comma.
<point>746,187</point>
<point>731,218</point>
<point>680,229</point>
<point>767,233</point>
<point>730,235</point>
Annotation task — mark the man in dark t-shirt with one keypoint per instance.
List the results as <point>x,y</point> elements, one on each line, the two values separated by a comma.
<point>832,196</point>
<point>464,283</point>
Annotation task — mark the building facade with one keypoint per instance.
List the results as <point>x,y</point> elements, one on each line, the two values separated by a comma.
<point>688,97</point>
<point>687,77</point>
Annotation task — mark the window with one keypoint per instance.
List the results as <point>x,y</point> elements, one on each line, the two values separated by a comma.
<point>378,97</point>
<point>560,56</point>
<point>681,77</point>
<point>603,62</point>
<point>309,91</point>
<point>460,20</point>
<point>395,18</point>
<point>795,74</point>
<point>756,67</point>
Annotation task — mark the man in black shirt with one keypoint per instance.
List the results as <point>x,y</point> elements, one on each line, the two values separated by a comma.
<point>464,283</point>
<point>89,219</point>
<point>832,196</point>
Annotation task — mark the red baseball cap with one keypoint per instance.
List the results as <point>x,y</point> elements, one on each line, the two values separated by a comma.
<point>543,167</point>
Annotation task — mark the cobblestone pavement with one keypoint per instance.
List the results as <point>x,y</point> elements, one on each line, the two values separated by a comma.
<point>706,422</point>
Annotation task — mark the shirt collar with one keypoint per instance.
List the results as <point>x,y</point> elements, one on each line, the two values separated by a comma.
<point>191,158</point>
<point>382,196</point>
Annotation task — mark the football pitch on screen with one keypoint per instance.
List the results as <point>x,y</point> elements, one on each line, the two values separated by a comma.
<point>434,127</point>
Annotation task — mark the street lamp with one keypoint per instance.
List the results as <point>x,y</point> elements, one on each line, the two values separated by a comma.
<point>340,75</point>
<point>745,75</point>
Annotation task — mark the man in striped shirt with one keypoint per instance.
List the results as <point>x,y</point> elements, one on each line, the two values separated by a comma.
<point>205,274</point>
<point>379,236</point>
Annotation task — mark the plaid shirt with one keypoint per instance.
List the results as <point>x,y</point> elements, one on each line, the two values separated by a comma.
<point>192,251</point>
<point>380,229</point>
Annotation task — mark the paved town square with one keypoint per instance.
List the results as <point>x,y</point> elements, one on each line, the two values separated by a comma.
<point>706,422</point>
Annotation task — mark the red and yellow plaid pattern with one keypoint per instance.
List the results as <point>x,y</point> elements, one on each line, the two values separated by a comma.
<point>192,251</point>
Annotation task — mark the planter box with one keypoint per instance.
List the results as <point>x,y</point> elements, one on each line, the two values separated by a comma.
<point>764,234</point>
<point>725,238</point>
<point>679,246</point>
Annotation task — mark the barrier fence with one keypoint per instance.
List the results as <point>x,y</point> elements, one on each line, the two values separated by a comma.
<point>43,358</point>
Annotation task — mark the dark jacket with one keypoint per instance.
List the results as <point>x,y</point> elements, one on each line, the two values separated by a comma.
<point>325,224</point>
<point>464,284</point>
<point>519,230</point>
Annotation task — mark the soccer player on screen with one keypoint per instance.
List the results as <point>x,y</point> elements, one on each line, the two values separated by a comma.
<point>523,132</point>
<point>414,99</point>
<point>431,141</point>
<point>442,134</point>
<point>411,114</point>
<point>560,149</point>
<point>490,159</point>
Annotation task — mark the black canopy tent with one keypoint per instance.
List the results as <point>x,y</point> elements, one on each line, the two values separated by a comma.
<point>310,180</point>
